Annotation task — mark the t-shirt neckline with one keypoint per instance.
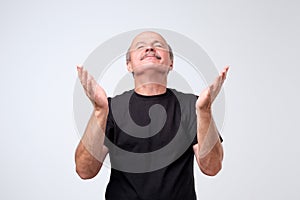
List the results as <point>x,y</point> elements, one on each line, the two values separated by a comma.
<point>165,94</point>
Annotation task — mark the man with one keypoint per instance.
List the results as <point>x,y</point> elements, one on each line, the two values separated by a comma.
<point>150,59</point>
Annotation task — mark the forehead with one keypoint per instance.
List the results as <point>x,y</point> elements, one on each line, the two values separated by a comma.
<point>148,37</point>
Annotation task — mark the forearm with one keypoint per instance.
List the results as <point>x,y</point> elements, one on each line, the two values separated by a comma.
<point>210,151</point>
<point>89,154</point>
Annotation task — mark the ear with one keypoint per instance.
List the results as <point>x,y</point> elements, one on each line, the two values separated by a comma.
<point>129,67</point>
<point>171,66</point>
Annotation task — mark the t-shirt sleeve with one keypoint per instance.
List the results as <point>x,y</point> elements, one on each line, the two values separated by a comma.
<point>195,141</point>
<point>109,131</point>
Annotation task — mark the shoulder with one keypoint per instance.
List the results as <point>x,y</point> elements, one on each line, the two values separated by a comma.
<point>122,95</point>
<point>187,102</point>
<point>186,97</point>
<point>120,98</point>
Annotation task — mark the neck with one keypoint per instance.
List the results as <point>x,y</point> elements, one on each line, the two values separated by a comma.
<point>151,89</point>
<point>150,84</point>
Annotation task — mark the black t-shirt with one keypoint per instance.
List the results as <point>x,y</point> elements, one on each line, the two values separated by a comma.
<point>172,182</point>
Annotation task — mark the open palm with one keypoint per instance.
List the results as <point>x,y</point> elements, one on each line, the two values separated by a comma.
<point>207,97</point>
<point>92,89</point>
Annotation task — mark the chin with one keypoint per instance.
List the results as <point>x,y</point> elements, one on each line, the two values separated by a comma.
<point>151,67</point>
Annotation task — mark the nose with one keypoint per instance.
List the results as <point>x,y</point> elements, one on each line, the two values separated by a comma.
<point>150,49</point>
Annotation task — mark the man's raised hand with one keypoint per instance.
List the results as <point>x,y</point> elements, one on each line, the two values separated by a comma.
<point>92,89</point>
<point>207,97</point>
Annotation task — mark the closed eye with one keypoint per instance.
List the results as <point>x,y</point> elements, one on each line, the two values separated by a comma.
<point>159,45</point>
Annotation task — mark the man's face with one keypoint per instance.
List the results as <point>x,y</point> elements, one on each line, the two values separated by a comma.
<point>149,48</point>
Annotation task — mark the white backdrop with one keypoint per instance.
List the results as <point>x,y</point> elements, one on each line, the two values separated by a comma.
<point>42,41</point>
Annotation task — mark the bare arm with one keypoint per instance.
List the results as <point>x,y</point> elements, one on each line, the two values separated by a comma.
<point>91,151</point>
<point>209,151</point>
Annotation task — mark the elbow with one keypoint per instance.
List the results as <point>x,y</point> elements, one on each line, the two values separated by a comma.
<point>212,170</point>
<point>82,174</point>
<point>85,174</point>
<point>87,169</point>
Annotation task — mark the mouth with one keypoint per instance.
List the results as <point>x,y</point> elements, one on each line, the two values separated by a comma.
<point>151,56</point>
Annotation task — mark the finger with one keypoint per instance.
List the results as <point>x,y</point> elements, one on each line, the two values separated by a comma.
<point>223,76</point>
<point>224,73</point>
<point>93,86</point>
<point>226,68</point>
<point>79,67</point>
<point>219,80</point>
<point>217,85</point>
<point>213,92</point>
<point>79,70</point>
<point>90,87</point>
<point>84,78</point>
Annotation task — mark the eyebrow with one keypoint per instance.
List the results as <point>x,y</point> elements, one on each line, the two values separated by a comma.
<point>138,43</point>
<point>155,41</point>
